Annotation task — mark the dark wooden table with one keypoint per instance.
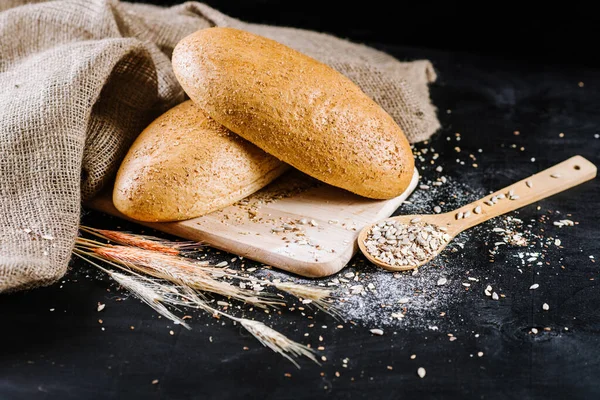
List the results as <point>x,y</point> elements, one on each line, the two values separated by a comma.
<point>53,345</point>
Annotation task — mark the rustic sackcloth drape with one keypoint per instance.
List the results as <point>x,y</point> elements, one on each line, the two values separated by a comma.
<point>79,81</point>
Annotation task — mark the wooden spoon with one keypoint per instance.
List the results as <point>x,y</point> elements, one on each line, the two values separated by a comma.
<point>553,180</point>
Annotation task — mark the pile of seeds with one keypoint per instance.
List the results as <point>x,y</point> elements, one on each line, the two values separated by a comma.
<point>400,244</point>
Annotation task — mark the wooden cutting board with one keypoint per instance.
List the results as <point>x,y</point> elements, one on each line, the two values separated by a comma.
<point>295,224</point>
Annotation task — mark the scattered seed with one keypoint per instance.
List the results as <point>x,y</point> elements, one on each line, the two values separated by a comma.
<point>442,281</point>
<point>529,184</point>
<point>424,187</point>
<point>495,296</point>
<point>480,354</point>
<point>421,372</point>
<point>413,356</point>
<point>534,286</point>
<point>377,332</point>
<point>467,214</point>
<point>439,169</point>
<point>459,215</point>
<point>222,264</point>
<point>437,209</point>
<point>557,242</point>
<point>101,307</point>
<point>545,307</point>
<point>415,220</point>
<point>555,176</point>
<point>155,382</point>
<point>465,284</point>
<point>477,210</point>
<point>47,237</point>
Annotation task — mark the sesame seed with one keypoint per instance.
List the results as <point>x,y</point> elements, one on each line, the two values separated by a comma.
<point>421,372</point>
<point>377,332</point>
<point>437,209</point>
<point>534,286</point>
<point>442,281</point>
<point>545,307</point>
<point>555,176</point>
<point>477,210</point>
<point>529,184</point>
<point>495,296</point>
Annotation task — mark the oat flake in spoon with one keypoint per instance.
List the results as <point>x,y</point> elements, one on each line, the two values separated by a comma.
<point>402,245</point>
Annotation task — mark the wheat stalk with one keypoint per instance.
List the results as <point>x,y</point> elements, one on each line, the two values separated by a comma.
<point>143,241</point>
<point>276,341</point>
<point>310,295</point>
<point>177,270</point>
<point>155,293</point>
<point>149,291</point>
<point>306,294</point>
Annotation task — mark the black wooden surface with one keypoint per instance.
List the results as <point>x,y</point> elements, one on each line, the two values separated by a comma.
<point>65,354</point>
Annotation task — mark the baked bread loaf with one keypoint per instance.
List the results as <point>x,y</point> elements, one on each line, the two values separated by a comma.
<point>298,109</point>
<point>184,165</point>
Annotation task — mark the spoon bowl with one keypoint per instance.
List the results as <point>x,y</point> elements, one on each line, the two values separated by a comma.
<point>565,175</point>
<point>443,221</point>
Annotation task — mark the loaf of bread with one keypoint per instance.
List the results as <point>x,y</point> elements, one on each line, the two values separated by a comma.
<point>299,110</point>
<point>184,165</point>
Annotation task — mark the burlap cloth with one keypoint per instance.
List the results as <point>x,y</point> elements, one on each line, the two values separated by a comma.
<point>80,79</point>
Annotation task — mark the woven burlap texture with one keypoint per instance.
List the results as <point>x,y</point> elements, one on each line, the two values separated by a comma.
<point>80,79</point>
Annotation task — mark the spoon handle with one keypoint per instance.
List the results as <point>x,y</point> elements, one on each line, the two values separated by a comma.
<point>563,176</point>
